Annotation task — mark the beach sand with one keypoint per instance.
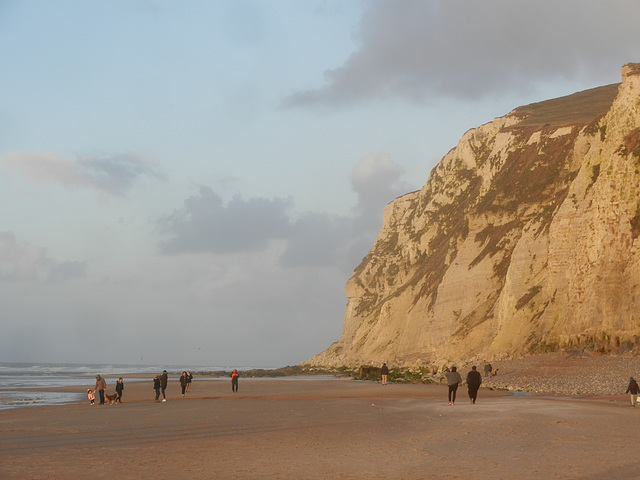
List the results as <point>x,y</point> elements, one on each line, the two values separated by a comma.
<point>322,429</point>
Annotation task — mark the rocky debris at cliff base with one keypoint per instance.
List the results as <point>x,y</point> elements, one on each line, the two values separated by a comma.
<point>288,371</point>
<point>564,373</point>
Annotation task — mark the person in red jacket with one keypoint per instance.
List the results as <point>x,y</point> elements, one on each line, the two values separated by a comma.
<point>234,380</point>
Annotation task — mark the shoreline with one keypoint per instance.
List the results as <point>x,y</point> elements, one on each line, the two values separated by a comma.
<point>577,375</point>
<point>560,373</point>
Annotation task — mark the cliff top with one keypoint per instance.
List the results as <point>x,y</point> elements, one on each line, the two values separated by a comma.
<point>576,109</point>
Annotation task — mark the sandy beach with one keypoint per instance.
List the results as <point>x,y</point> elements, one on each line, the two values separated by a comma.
<point>323,429</point>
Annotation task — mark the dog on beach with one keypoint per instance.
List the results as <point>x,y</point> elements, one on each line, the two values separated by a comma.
<point>111,398</point>
<point>494,372</point>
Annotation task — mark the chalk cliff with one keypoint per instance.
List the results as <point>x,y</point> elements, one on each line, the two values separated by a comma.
<point>524,239</point>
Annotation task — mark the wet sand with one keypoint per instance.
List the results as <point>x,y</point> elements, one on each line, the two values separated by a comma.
<point>322,429</point>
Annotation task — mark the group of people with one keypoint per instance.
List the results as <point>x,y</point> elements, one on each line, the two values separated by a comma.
<point>159,386</point>
<point>185,382</point>
<point>160,383</point>
<point>473,380</point>
<point>101,389</point>
<point>489,370</point>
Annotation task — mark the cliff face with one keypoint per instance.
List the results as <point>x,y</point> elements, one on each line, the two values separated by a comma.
<point>524,239</point>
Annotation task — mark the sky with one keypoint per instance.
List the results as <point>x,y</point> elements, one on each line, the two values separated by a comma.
<point>194,182</point>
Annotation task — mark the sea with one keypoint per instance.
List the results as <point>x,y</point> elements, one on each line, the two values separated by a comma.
<point>25,384</point>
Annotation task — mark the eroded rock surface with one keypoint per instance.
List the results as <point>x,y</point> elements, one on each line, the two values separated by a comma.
<point>524,239</point>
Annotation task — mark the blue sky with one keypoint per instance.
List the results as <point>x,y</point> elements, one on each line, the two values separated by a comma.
<point>194,182</point>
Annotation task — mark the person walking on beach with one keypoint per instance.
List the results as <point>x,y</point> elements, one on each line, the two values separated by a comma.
<point>633,390</point>
<point>163,384</point>
<point>189,378</point>
<point>453,380</point>
<point>156,387</point>
<point>234,380</point>
<point>101,386</point>
<point>183,382</point>
<point>474,380</point>
<point>119,389</point>
<point>384,371</point>
<point>487,369</point>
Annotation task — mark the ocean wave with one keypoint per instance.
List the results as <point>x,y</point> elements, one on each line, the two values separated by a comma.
<point>104,369</point>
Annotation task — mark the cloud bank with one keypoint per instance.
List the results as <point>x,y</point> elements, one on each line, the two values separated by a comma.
<point>115,175</point>
<point>24,262</point>
<point>205,224</point>
<point>469,50</point>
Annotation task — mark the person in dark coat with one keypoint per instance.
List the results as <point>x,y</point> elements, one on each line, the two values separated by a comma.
<point>474,380</point>
<point>234,380</point>
<point>633,390</point>
<point>163,384</point>
<point>189,378</point>
<point>156,387</point>
<point>119,389</point>
<point>183,382</point>
<point>384,371</point>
